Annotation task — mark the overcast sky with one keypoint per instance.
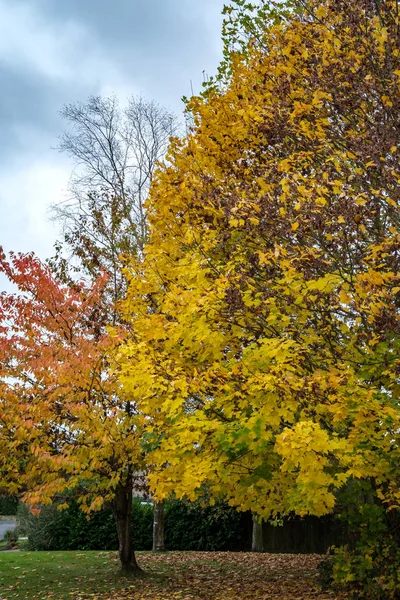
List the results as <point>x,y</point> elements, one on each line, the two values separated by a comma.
<point>53,52</point>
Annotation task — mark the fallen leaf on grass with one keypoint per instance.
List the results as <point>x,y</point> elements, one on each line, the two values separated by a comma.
<point>227,576</point>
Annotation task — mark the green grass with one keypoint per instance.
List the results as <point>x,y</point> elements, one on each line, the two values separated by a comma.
<point>37,575</point>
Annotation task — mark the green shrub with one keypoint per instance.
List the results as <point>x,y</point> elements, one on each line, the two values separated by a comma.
<point>370,571</point>
<point>325,572</point>
<point>369,565</point>
<point>11,536</point>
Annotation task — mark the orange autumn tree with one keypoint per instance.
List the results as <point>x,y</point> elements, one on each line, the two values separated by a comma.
<point>265,318</point>
<point>66,428</point>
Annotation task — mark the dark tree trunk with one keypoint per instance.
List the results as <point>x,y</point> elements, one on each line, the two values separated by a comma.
<point>257,538</point>
<point>122,508</point>
<point>158,527</point>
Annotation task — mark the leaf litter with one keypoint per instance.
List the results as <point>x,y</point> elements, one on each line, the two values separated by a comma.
<point>225,576</point>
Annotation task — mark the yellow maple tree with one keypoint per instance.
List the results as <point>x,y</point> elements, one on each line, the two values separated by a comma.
<point>265,322</point>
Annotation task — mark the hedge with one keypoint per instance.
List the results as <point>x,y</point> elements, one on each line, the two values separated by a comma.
<point>187,527</point>
<point>8,506</point>
<point>70,529</point>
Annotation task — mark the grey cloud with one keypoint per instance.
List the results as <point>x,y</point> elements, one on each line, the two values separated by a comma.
<point>29,101</point>
<point>150,23</point>
<point>153,47</point>
<point>159,44</point>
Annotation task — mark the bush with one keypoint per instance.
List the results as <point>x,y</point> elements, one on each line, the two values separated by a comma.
<point>370,572</point>
<point>369,565</point>
<point>325,572</point>
<point>11,536</point>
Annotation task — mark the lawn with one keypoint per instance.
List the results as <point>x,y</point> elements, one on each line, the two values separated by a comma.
<point>170,576</point>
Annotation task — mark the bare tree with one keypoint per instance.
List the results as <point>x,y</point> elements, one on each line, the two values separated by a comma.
<point>115,152</point>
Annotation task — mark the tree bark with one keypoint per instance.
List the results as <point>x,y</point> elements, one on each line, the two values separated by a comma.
<point>257,539</point>
<point>122,508</point>
<point>158,527</point>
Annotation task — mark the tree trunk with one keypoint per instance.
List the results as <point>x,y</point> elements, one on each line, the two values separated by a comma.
<point>158,527</point>
<point>257,539</point>
<point>122,508</point>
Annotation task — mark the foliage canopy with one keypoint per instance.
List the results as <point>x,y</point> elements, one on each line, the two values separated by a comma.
<point>265,321</point>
